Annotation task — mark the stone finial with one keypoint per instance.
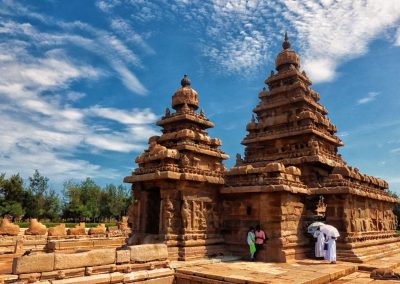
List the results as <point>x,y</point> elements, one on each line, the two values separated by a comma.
<point>286,43</point>
<point>253,120</point>
<point>167,112</point>
<point>272,73</point>
<point>202,112</point>
<point>185,82</point>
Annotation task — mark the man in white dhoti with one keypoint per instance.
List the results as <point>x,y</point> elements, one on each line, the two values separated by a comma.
<point>319,244</point>
<point>330,253</point>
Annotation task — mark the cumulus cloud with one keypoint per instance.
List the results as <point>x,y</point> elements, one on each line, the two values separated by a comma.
<point>369,98</point>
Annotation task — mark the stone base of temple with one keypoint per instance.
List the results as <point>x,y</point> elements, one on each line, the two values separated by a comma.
<point>195,246</point>
<point>360,252</point>
<point>197,252</point>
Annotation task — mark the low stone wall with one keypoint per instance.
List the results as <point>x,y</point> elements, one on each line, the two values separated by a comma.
<point>133,264</point>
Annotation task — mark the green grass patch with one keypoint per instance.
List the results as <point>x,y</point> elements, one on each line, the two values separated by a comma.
<point>68,225</point>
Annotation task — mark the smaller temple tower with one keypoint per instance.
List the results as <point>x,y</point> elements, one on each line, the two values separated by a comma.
<point>177,183</point>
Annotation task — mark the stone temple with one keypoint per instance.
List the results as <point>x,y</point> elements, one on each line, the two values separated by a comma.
<point>291,174</point>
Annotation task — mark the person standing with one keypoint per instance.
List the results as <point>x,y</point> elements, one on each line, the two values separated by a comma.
<point>319,244</point>
<point>260,239</point>
<point>330,253</point>
<point>251,238</point>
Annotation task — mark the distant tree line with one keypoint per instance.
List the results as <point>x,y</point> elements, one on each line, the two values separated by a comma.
<point>78,201</point>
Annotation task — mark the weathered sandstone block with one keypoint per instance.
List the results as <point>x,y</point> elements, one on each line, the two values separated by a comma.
<point>335,176</point>
<point>79,229</point>
<point>36,228</point>
<point>38,262</point>
<point>123,256</point>
<point>293,171</point>
<point>150,252</point>
<point>98,230</point>
<point>344,171</point>
<point>58,230</point>
<point>93,279</point>
<point>8,228</point>
<point>84,259</point>
<point>275,167</point>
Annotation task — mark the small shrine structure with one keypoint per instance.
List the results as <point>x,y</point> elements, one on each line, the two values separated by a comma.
<point>177,183</point>
<point>291,174</point>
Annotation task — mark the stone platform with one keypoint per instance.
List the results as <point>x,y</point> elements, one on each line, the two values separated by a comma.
<point>306,271</point>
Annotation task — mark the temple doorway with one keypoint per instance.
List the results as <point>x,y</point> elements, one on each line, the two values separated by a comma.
<point>153,211</point>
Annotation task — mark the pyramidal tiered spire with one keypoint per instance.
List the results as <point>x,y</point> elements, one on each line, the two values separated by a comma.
<point>291,123</point>
<point>183,142</point>
<point>178,180</point>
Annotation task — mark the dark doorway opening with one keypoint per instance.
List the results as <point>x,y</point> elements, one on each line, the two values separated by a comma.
<point>153,211</point>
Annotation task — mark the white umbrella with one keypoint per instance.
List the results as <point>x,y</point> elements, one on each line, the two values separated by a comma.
<point>313,227</point>
<point>329,231</point>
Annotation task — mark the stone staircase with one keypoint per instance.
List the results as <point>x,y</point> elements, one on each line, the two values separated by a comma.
<point>366,253</point>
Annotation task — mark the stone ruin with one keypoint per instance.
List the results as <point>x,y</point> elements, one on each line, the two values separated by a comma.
<point>291,174</point>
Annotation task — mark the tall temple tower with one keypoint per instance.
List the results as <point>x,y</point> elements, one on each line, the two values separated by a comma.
<point>177,183</point>
<point>291,126</point>
<point>292,173</point>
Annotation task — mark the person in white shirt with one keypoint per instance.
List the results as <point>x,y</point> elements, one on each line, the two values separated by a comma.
<point>330,253</point>
<point>319,244</point>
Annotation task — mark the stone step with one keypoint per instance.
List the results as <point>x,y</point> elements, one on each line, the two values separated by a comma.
<point>360,256</point>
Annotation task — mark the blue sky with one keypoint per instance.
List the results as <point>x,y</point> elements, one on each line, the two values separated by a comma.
<point>82,82</point>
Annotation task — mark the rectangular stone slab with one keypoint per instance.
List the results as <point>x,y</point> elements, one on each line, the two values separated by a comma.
<point>40,262</point>
<point>150,252</point>
<point>84,259</point>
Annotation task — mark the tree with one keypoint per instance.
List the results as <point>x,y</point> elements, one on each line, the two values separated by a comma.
<point>82,200</point>
<point>117,200</point>
<point>12,196</point>
<point>52,206</point>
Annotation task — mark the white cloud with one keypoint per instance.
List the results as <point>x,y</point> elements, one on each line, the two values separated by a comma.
<point>42,128</point>
<point>129,79</point>
<point>338,30</point>
<point>369,98</point>
<point>125,30</point>
<point>134,116</point>
<point>239,35</point>
<point>75,96</point>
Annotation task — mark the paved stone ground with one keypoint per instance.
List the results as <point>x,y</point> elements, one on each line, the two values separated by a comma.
<point>305,271</point>
<point>385,262</point>
<point>302,271</point>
